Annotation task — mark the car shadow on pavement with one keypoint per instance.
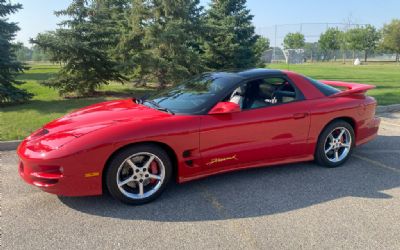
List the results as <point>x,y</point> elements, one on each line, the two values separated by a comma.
<point>258,192</point>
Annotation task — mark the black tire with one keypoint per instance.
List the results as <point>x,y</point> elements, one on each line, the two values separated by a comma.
<point>320,157</point>
<point>120,157</point>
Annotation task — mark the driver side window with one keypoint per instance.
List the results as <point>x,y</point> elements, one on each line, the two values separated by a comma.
<point>263,92</point>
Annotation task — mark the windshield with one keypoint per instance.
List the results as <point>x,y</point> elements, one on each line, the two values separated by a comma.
<point>195,96</point>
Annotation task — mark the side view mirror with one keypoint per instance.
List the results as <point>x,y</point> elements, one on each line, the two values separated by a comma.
<point>225,108</point>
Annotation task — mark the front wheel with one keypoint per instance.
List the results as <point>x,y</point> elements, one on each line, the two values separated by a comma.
<point>335,144</point>
<point>138,174</point>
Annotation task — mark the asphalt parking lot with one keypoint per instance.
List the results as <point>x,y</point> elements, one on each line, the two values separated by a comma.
<point>285,207</point>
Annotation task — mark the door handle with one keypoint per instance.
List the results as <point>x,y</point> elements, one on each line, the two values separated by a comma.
<point>299,115</point>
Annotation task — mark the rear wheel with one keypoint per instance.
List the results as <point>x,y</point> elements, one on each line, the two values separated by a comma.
<point>335,144</point>
<point>138,174</point>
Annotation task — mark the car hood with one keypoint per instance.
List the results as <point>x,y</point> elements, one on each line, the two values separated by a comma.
<point>89,119</point>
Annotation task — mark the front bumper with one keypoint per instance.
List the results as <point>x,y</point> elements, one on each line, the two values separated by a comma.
<point>66,176</point>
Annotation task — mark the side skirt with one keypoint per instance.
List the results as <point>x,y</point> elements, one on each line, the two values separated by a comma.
<point>182,179</point>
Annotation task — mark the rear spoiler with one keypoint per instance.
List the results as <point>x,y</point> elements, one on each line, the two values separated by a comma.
<point>351,88</point>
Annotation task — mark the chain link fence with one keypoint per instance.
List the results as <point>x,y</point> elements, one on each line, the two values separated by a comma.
<point>311,51</point>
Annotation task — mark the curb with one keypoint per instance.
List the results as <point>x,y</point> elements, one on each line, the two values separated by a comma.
<point>9,145</point>
<point>12,145</point>
<point>388,108</point>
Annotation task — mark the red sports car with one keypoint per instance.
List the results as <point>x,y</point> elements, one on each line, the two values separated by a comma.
<point>211,124</point>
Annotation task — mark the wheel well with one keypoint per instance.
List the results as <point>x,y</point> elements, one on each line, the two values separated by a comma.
<point>167,148</point>
<point>347,119</point>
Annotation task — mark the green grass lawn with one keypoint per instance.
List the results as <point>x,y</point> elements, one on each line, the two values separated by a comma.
<point>386,77</point>
<point>16,122</point>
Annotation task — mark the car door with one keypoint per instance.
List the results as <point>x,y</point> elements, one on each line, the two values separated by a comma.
<point>255,134</point>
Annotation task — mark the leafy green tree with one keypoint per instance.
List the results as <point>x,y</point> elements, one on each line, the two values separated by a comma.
<point>132,51</point>
<point>163,43</point>
<point>391,37</point>
<point>262,44</point>
<point>30,54</point>
<point>312,51</point>
<point>23,53</point>
<point>370,40</point>
<point>364,39</point>
<point>81,43</point>
<point>354,40</point>
<point>330,41</point>
<point>114,14</point>
<point>230,40</point>
<point>9,66</point>
<point>294,41</point>
<point>39,54</point>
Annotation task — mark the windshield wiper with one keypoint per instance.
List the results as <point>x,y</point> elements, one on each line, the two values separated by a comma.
<point>158,107</point>
<point>142,99</point>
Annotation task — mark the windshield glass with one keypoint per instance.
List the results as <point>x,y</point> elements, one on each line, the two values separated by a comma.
<point>195,96</point>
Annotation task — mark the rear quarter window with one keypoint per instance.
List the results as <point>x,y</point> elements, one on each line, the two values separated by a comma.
<point>324,88</point>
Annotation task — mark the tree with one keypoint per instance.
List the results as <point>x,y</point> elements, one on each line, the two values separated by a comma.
<point>261,45</point>
<point>230,40</point>
<point>23,53</point>
<point>31,54</point>
<point>9,66</point>
<point>115,16</point>
<point>82,43</point>
<point>354,40</point>
<point>131,52</point>
<point>364,39</point>
<point>163,41</point>
<point>370,39</point>
<point>391,37</point>
<point>39,54</point>
<point>330,41</point>
<point>294,41</point>
<point>312,51</point>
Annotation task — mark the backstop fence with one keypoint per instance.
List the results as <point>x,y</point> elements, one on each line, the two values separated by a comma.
<point>311,52</point>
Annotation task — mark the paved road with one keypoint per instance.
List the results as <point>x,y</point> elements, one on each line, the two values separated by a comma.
<point>291,206</point>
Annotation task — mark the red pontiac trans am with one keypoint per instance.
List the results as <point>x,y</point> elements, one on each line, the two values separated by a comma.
<point>214,123</point>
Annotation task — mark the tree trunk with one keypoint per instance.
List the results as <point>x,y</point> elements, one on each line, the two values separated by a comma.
<point>365,56</point>
<point>344,57</point>
<point>354,55</point>
<point>397,57</point>
<point>91,91</point>
<point>140,83</point>
<point>161,79</point>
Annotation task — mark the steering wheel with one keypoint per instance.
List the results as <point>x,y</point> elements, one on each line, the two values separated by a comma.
<point>277,90</point>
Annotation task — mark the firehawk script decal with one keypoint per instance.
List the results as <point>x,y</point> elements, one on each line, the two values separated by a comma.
<point>217,160</point>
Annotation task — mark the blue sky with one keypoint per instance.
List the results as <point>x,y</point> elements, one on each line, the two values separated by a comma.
<point>37,15</point>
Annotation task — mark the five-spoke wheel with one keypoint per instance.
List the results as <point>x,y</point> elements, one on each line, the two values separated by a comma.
<point>138,174</point>
<point>338,144</point>
<point>335,144</point>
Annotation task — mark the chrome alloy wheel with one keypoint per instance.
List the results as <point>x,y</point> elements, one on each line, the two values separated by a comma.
<point>140,175</point>
<point>338,144</point>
